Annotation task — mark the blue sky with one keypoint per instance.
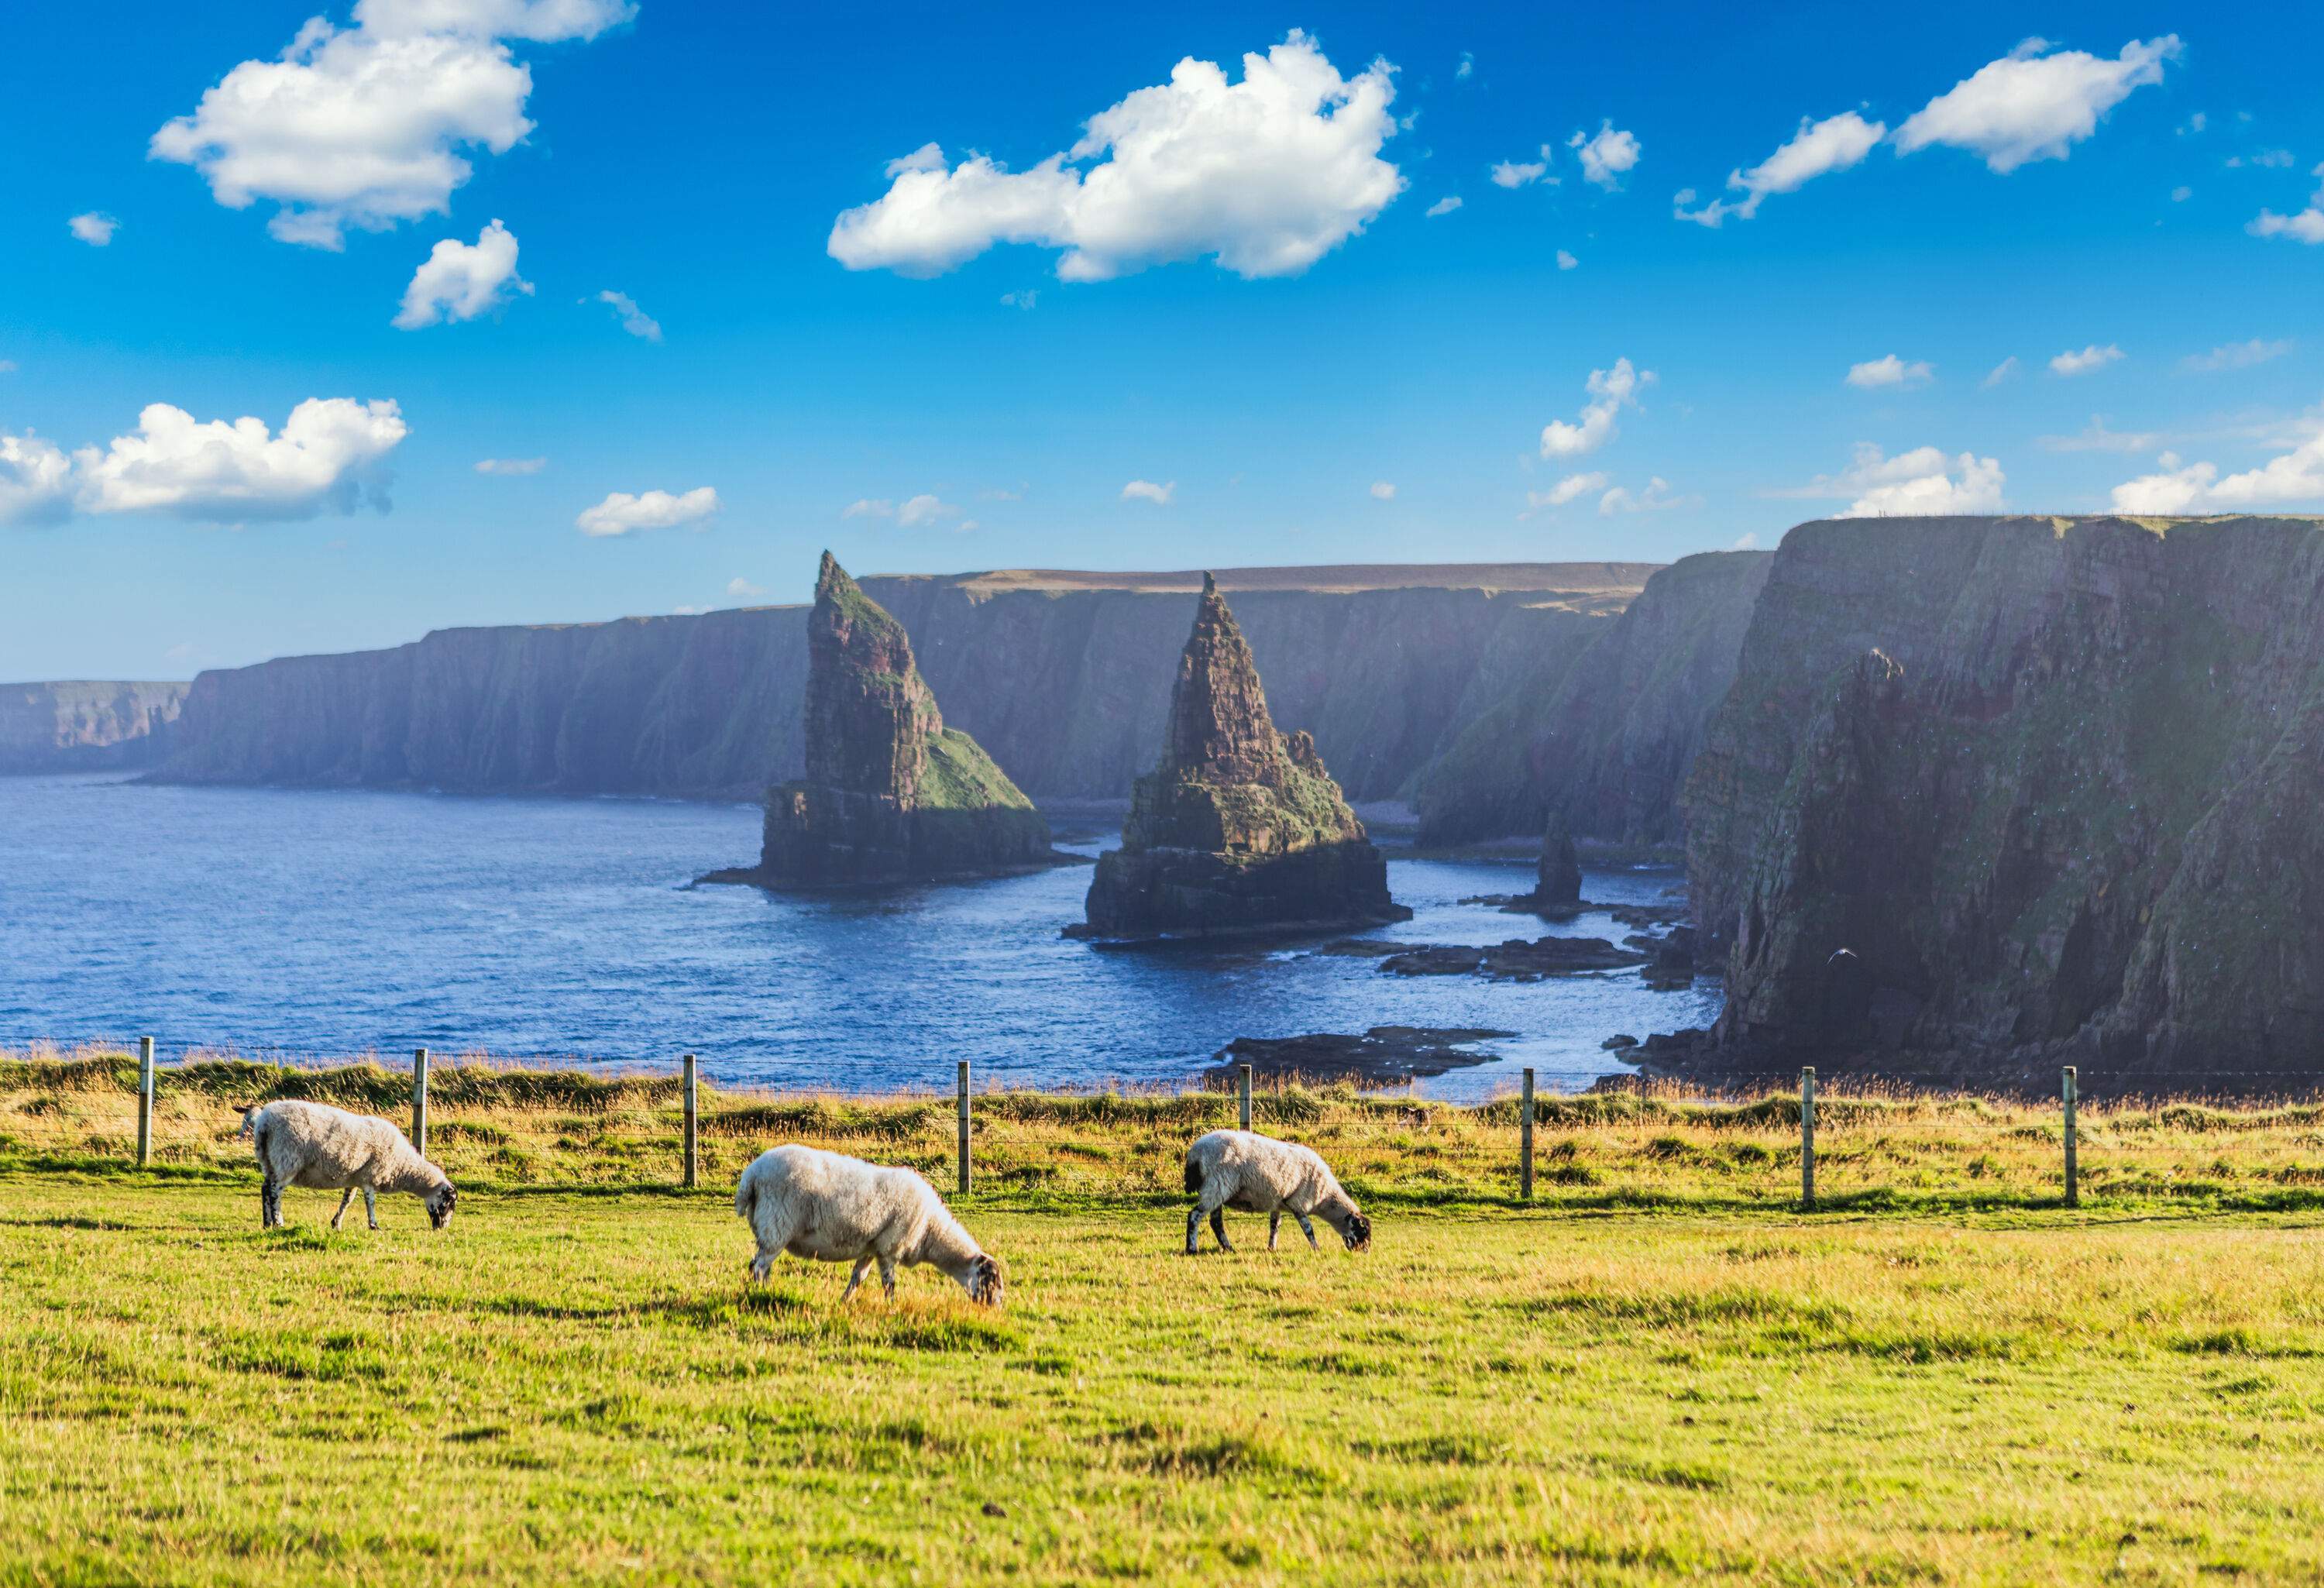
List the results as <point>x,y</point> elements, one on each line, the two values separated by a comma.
<point>1280,331</point>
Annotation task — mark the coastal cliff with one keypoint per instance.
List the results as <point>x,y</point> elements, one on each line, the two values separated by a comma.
<point>890,794</point>
<point>2051,781</point>
<point>1239,827</point>
<point>1598,727</point>
<point>82,727</point>
<point>1063,678</point>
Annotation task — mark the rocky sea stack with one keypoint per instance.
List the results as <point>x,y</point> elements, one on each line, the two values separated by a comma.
<point>890,794</point>
<point>1239,829</point>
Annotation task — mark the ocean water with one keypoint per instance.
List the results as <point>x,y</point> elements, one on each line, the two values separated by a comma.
<point>310,924</point>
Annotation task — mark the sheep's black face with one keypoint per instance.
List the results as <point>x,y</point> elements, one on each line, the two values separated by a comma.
<point>984,1281</point>
<point>1357,1231</point>
<point>440,1206</point>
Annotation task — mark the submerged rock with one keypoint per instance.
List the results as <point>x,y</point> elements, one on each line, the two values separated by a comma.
<point>1239,829</point>
<point>890,794</point>
<point>1382,1057</point>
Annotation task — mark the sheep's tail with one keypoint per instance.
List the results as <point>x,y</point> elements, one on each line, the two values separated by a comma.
<point>1194,1176</point>
<point>746,1199</point>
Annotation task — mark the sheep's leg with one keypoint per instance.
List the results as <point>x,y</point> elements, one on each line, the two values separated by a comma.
<point>1274,1223</point>
<point>1219,1228</point>
<point>888,1277</point>
<point>1308,1229</point>
<point>1193,1229</point>
<point>270,1204</point>
<point>348,1197</point>
<point>863,1266</point>
<point>761,1265</point>
<point>371,1206</point>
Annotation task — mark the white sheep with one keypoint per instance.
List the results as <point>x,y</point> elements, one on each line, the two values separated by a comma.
<point>328,1149</point>
<point>834,1208</point>
<point>1251,1173</point>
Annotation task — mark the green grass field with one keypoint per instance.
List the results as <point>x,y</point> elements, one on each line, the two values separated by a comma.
<point>1663,1370</point>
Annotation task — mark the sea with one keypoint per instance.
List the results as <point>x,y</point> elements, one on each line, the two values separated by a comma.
<point>313,925</point>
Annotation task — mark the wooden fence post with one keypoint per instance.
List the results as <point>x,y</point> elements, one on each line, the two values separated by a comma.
<point>145,1102</point>
<point>692,1139</point>
<point>419,1101</point>
<point>964,1127</point>
<point>2073,1175</point>
<point>1524,1142</point>
<point>1807,1138</point>
<point>1242,1085</point>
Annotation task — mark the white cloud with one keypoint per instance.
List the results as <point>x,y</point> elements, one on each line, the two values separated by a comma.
<point>1268,175</point>
<point>1610,391</point>
<point>1468,65</point>
<point>1605,154</point>
<point>366,126</point>
<point>2032,104</point>
<point>2235,355</point>
<point>2306,226</point>
<point>328,454</point>
<point>1747,541</point>
<point>545,21</point>
<point>1020,299</point>
<point>2006,369</point>
<point>7,367</point>
<point>2295,477</point>
<point>2194,124</point>
<point>1817,149</point>
<point>2181,193</point>
<point>1566,490</point>
<point>926,508</point>
<point>1566,261</point>
<point>1444,205</point>
<point>2095,437</point>
<point>35,481</point>
<point>2265,160</point>
<point>739,586</point>
<point>869,507</point>
<point>95,229</point>
<point>1890,371</point>
<point>511,465</point>
<point>1148,491</point>
<point>2071,363</point>
<point>634,320</point>
<point>1655,498</point>
<point>1923,481</point>
<point>1382,491</point>
<point>1512,173</point>
<point>621,513</point>
<point>460,281</point>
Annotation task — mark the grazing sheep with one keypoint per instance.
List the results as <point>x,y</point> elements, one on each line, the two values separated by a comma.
<point>834,1208</point>
<point>328,1148</point>
<point>1251,1173</point>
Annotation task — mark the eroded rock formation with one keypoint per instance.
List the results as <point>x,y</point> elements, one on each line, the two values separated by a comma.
<point>1063,678</point>
<point>1239,829</point>
<point>1597,724</point>
<point>890,794</point>
<point>2051,784</point>
<point>77,726</point>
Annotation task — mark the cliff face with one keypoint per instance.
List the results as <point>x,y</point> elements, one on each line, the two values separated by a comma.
<point>62,727</point>
<point>2051,780</point>
<point>1598,725</point>
<point>1063,678</point>
<point>890,793</point>
<point>1237,828</point>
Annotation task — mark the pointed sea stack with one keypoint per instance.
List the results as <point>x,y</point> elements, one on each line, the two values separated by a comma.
<point>1239,830</point>
<point>1558,879</point>
<point>890,795</point>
